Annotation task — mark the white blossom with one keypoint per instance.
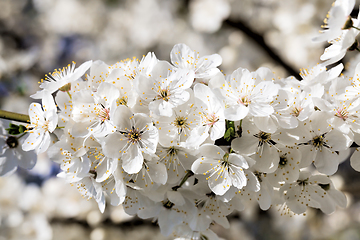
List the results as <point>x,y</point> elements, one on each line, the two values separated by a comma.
<point>43,121</point>
<point>61,79</point>
<point>135,135</point>
<point>222,169</point>
<point>248,92</point>
<point>335,20</point>
<point>212,117</point>
<point>183,57</point>
<point>312,191</point>
<point>12,155</point>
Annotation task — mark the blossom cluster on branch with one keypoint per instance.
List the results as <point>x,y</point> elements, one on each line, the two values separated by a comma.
<point>184,144</point>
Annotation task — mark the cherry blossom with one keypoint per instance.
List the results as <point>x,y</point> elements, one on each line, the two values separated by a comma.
<point>222,169</point>
<point>43,121</point>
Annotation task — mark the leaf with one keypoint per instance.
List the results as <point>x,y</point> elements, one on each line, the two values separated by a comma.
<point>15,129</point>
<point>229,134</point>
<point>230,124</point>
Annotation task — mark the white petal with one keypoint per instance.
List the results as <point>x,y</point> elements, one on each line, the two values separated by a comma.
<point>236,112</point>
<point>211,151</point>
<point>132,160</point>
<point>245,144</point>
<point>266,124</point>
<point>122,116</point>
<point>355,160</point>
<point>8,163</point>
<point>114,144</point>
<point>106,168</point>
<point>203,165</point>
<point>326,162</point>
<point>108,92</point>
<point>176,197</point>
<point>32,141</point>
<point>238,160</point>
<point>158,172</point>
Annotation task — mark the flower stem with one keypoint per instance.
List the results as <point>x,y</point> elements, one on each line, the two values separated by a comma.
<point>188,174</point>
<point>21,135</point>
<point>69,94</point>
<point>14,116</point>
<point>355,28</point>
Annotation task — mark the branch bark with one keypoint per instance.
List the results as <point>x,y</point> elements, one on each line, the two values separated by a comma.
<point>261,42</point>
<point>14,116</point>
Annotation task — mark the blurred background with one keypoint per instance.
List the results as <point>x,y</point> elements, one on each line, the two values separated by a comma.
<point>37,36</point>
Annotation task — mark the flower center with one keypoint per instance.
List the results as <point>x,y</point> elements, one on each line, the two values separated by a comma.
<point>244,100</point>
<point>211,119</point>
<point>46,125</point>
<point>259,175</point>
<point>104,114</point>
<point>93,173</point>
<point>180,122</point>
<point>172,151</point>
<point>318,141</point>
<point>264,138</point>
<point>225,161</point>
<point>12,142</point>
<point>121,101</point>
<point>134,135</point>
<point>283,161</point>
<point>168,204</point>
<point>303,182</point>
<point>296,111</point>
<point>164,94</point>
<point>342,113</point>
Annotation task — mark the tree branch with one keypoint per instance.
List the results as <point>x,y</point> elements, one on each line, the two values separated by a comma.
<point>261,42</point>
<point>14,116</point>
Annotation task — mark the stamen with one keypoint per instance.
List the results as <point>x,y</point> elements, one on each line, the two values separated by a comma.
<point>342,113</point>
<point>211,119</point>
<point>164,94</point>
<point>134,135</point>
<point>121,101</point>
<point>296,111</point>
<point>104,114</point>
<point>264,138</point>
<point>244,100</point>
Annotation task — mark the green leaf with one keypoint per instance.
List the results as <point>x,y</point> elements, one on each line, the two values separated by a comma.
<point>230,124</point>
<point>22,128</point>
<point>15,129</point>
<point>229,134</point>
<point>230,131</point>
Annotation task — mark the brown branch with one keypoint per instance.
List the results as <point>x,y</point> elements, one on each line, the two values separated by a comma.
<point>261,42</point>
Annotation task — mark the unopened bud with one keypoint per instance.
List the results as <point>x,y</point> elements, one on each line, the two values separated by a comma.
<point>12,142</point>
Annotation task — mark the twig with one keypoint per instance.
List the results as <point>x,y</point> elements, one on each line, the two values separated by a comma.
<point>14,116</point>
<point>260,40</point>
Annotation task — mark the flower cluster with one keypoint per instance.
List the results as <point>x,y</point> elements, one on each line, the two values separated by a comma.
<point>184,144</point>
<point>340,30</point>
